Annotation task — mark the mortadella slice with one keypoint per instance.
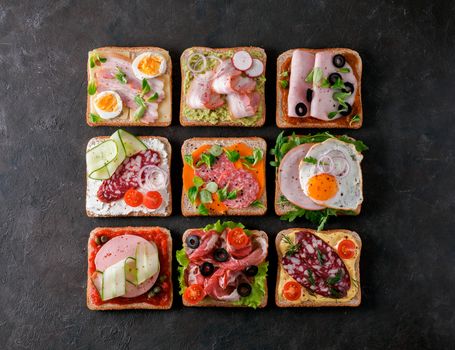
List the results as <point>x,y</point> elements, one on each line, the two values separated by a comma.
<point>323,102</point>
<point>288,178</point>
<point>301,65</point>
<point>117,249</point>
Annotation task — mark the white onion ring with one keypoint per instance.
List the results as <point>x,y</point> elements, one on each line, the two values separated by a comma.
<point>201,57</point>
<point>345,170</point>
<point>151,183</point>
<point>322,168</point>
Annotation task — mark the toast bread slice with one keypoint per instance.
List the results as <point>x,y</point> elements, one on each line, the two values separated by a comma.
<point>112,306</point>
<point>144,212</point>
<point>164,107</point>
<point>282,302</point>
<point>282,118</point>
<point>210,302</point>
<point>190,145</point>
<point>184,120</point>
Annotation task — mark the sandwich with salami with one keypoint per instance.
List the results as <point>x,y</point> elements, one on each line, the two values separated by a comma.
<point>129,268</point>
<point>128,176</point>
<point>129,86</point>
<point>317,176</point>
<point>319,88</point>
<point>224,176</point>
<point>223,265</point>
<point>318,268</point>
<point>223,87</point>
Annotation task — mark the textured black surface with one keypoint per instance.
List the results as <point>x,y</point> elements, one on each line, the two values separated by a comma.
<point>406,224</point>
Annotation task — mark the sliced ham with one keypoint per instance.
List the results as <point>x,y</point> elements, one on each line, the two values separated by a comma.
<point>117,249</point>
<point>243,105</point>
<point>323,103</point>
<point>208,241</point>
<point>222,285</point>
<point>288,178</point>
<point>200,94</point>
<point>255,258</point>
<point>301,65</point>
<point>239,253</point>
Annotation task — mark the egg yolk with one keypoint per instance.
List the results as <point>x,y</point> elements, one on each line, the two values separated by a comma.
<point>150,65</point>
<point>322,187</point>
<point>107,103</point>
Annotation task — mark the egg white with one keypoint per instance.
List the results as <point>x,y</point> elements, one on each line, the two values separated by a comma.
<point>349,195</point>
<point>141,75</point>
<point>105,114</point>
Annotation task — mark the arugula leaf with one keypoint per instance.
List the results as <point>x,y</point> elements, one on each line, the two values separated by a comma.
<point>216,150</point>
<point>145,87</point>
<point>95,118</point>
<point>206,196</point>
<point>354,119</point>
<point>192,194</point>
<point>202,210</point>
<point>198,182</point>
<point>309,77</point>
<point>121,76</point>
<point>91,88</point>
<point>257,204</point>
<point>233,156</point>
<point>359,145</point>
<point>221,226</point>
<point>153,97</point>
<point>257,288</point>
<point>183,261</point>
<point>344,70</point>
<point>310,160</point>
<point>332,115</point>
<point>258,154</point>
<point>284,84</point>
<point>319,217</point>
<point>188,159</point>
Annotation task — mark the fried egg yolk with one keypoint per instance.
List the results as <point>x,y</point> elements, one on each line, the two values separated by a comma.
<point>150,65</point>
<point>107,103</point>
<point>322,187</point>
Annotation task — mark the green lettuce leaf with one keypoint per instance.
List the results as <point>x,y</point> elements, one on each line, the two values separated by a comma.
<point>221,226</point>
<point>257,288</point>
<point>183,261</point>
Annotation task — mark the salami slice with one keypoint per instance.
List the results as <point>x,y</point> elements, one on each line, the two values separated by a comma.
<point>222,165</point>
<point>125,177</point>
<point>317,267</point>
<point>244,183</point>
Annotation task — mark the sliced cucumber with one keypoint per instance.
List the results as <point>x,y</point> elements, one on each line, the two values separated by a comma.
<point>147,262</point>
<point>130,270</point>
<point>99,157</point>
<point>131,143</point>
<point>114,282</point>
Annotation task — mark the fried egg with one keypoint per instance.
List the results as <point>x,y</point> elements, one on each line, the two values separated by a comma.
<point>149,65</point>
<point>108,104</point>
<point>331,175</point>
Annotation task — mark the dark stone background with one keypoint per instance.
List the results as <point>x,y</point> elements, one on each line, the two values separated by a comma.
<point>406,224</point>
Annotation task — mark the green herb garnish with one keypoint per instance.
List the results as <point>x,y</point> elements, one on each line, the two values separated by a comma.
<point>216,150</point>
<point>233,156</point>
<point>188,159</point>
<point>325,83</point>
<point>192,194</point>
<point>212,187</point>
<point>95,118</point>
<point>332,115</point>
<point>153,97</point>
<point>121,76</point>
<point>311,277</point>
<point>207,159</point>
<point>257,204</point>
<point>309,77</point>
<point>91,88</point>
<point>344,70</point>
<point>206,196</point>
<point>223,194</point>
<point>310,160</point>
<point>320,256</point>
<point>317,75</point>
<point>354,119</point>
<point>285,74</point>
<point>202,210</point>
<point>335,279</point>
<point>258,154</point>
<point>292,247</point>
<point>145,87</point>
<point>198,182</point>
<point>284,84</point>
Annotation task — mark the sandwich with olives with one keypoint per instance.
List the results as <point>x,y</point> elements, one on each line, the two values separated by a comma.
<point>223,265</point>
<point>319,88</point>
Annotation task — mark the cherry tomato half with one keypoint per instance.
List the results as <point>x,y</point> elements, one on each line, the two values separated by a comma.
<point>346,249</point>
<point>237,238</point>
<point>292,291</point>
<point>133,197</point>
<point>153,200</point>
<point>194,294</point>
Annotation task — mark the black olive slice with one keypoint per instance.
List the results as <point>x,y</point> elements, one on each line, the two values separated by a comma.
<point>206,269</point>
<point>334,77</point>
<point>300,109</point>
<point>345,113</point>
<point>348,87</point>
<point>309,95</point>
<point>244,289</point>
<point>338,61</point>
<point>251,270</point>
<point>220,255</point>
<point>192,241</point>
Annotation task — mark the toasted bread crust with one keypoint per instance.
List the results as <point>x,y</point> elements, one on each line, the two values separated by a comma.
<point>355,301</point>
<point>111,306</point>
<point>282,118</point>
<point>139,49</point>
<point>184,121</point>
<point>168,210</point>
<point>210,302</point>
<point>190,145</point>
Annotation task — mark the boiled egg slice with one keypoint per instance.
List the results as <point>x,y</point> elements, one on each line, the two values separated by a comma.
<point>149,65</point>
<point>108,104</point>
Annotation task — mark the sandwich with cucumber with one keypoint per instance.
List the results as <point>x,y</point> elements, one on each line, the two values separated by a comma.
<point>128,176</point>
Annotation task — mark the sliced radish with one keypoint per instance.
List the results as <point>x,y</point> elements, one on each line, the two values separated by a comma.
<point>242,60</point>
<point>257,68</point>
